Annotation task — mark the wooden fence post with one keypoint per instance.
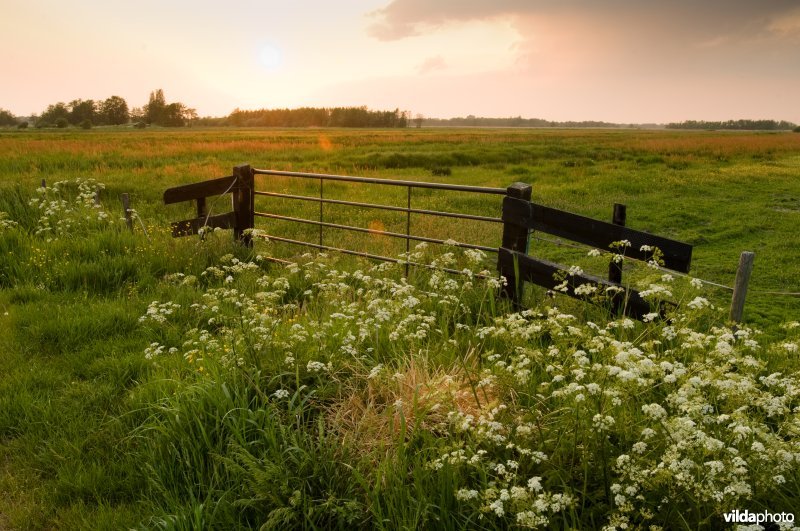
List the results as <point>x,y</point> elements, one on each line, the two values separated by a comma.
<point>126,208</point>
<point>740,285</point>
<point>515,238</point>
<point>243,200</point>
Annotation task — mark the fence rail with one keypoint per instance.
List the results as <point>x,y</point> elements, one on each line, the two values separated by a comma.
<point>386,182</point>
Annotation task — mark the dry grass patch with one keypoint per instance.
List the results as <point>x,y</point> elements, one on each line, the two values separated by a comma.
<point>391,405</point>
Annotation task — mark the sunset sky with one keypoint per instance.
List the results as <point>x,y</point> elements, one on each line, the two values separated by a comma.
<point>612,60</point>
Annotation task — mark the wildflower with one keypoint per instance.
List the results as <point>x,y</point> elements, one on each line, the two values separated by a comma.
<point>585,289</point>
<point>466,494</point>
<point>497,507</point>
<point>698,303</point>
<point>316,366</point>
<point>153,351</point>
<point>654,411</point>
<point>640,447</point>
<point>574,270</point>
<point>280,394</point>
<point>535,484</point>
<point>603,422</point>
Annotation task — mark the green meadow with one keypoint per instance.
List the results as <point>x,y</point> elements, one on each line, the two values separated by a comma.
<point>158,383</point>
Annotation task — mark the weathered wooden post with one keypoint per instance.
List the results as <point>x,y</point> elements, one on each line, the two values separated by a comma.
<point>243,200</point>
<point>126,208</point>
<point>44,183</point>
<point>740,285</point>
<point>515,238</point>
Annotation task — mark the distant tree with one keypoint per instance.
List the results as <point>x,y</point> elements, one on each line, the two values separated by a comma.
<point>190,115</point>
<point>53,114</point>
<point>418,119</point>
<point>173,115</point>
<point>137,114</point>
<point>159,112</point>
<point>81,111</point>
<point>114,111</point>
<point>155,109</point>
<point>6,118</point>
<point>61,123</point>
<point>796,129</point>
<point>22,125</point>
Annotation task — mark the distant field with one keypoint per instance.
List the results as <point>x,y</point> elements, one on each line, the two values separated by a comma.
<point>723,192</point>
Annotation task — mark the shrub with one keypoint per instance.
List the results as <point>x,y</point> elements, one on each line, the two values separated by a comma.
<point>22,125</point>
<point>140,125</point>
<point>86,124</point>
<point>62,123</point>
<point>796,129</point>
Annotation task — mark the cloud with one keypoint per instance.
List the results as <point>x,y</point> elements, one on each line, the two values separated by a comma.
<point>407,18</point>
<point>786,24</point>
<point>432,64</point>
<point>713,42</point>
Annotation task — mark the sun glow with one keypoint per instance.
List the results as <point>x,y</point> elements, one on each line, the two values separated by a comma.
<point>270,57</point>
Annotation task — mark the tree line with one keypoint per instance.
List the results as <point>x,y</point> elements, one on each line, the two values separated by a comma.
<point>736,125</point>
<point>157,111</point>
<point>111,111</point>
<point>317,117</point>
<point>115,111</point>
<point>514,121</point>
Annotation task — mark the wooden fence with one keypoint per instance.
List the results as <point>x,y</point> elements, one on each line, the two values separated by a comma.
<point>520,216</point>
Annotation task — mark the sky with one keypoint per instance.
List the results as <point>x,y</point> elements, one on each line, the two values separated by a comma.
<point>625,61</point>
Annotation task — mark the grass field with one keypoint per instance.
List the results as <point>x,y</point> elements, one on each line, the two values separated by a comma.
<point>721,192</point>
<point>177,384</point>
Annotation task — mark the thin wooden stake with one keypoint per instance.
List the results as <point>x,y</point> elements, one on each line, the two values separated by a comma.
<point>740,285</point>
<point>126,207</point>
<point>44,183</point>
